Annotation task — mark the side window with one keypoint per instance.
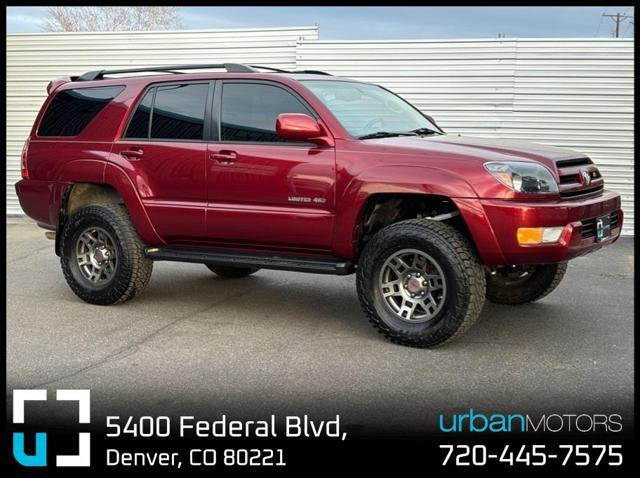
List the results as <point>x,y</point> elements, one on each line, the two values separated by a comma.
<point>249,111</point>
<point>139,124</point>
<point>178,111</point>
<point>70,111</point>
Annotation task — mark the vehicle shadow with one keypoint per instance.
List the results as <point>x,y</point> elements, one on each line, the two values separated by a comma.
<point>284,299</point>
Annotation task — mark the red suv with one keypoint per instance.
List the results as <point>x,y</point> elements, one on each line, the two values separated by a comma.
<point>254,168</point>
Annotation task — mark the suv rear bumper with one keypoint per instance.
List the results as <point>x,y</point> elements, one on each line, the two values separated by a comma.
<point>497,242</point>
<point>35,200</point>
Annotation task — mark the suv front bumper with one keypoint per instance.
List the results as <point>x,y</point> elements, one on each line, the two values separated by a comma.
<point>497,242</point>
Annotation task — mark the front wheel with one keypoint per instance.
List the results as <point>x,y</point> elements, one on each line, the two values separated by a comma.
<point>522,284</point>
<point>420,283</point>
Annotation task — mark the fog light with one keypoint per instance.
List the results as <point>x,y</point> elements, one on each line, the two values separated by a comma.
<point>538,235</point>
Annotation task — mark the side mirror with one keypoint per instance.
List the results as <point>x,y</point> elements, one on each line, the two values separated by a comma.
<point>300,127</point>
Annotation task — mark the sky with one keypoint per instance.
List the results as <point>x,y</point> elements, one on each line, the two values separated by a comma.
<point>374,23</point>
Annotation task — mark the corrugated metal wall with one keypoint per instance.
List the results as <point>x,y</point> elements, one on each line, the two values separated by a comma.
<point>569,93</point>
<point>35,59</point>
<point>565,92</point>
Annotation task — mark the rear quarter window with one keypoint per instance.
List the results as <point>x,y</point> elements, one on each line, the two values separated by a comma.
<point>70,111</point>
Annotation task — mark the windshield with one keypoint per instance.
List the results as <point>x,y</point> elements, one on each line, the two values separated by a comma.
<point>367,110</point>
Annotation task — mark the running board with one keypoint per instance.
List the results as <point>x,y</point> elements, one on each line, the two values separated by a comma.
<point>317,265</point>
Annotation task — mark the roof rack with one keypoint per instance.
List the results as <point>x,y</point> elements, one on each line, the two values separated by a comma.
<point>313,72</point>
<point>230,67</point>
<point>277,70</point>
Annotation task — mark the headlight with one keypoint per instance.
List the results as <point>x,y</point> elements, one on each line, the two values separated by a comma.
<point>523,177</point>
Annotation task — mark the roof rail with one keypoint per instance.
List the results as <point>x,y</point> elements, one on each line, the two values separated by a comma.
<point>230,67</point>
<point>277,70</point>
<point>313,72</point>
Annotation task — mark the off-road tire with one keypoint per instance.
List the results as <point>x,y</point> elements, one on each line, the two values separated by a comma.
<point>230,272</point>
<point>541,282</point>
<point>462,269</point>
<point>133,269</point>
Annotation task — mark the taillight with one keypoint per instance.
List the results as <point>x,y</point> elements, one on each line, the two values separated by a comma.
<point>24,172</point>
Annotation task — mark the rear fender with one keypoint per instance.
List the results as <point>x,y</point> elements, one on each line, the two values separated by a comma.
<point>99,172</point>
<point>121,182</point>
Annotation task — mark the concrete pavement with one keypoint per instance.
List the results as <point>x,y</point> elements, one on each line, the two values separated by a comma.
<point>281,342</point>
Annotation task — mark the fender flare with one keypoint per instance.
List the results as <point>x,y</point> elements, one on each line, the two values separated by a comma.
<point>117,178</point>
<point>108,174</point>
<point>396,179</point>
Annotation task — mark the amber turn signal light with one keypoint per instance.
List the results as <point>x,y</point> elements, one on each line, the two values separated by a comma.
<point>529,236</point>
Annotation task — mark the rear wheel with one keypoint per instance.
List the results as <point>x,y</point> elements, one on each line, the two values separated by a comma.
<point>232,272</point>
<point>523,284</point>
<point>103,259</point>
<point>420,283</point>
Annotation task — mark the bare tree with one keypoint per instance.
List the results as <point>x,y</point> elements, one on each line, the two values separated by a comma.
<point>108,19</point>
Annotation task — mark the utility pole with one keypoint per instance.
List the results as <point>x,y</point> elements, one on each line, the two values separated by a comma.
<point>618,18</point>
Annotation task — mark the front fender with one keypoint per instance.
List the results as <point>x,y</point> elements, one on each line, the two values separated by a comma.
<point>391,179</point>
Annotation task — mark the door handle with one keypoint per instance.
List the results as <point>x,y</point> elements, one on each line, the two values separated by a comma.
<point>224,157</point>
<point>133,153</point>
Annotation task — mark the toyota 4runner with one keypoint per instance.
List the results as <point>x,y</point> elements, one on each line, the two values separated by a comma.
<point>253,167</point>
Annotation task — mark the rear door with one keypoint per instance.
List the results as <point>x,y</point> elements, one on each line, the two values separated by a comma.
<point>262,190</point>
<point>164,152</point>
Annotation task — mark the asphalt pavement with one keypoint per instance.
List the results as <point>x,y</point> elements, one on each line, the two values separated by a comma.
<point>280,342</point>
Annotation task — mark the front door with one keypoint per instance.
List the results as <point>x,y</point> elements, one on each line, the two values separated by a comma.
<point>263,191</point>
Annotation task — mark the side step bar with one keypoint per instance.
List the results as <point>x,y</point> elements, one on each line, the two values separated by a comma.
<point>318,265</point>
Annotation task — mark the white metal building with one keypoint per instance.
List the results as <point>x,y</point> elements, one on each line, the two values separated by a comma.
<point>575,93</point>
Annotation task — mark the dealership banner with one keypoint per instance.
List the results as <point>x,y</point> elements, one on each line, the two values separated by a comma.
<point>44,444</point>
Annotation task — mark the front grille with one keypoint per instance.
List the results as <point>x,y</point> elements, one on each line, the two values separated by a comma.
<point>570,163</point>
<point>571,181</point>
<point>589,225</point>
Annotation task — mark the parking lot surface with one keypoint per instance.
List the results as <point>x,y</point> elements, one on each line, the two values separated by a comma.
<point>280,342</point>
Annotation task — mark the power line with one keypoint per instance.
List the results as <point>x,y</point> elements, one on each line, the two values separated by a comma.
<point>600,22</point>
<point>617,18</point>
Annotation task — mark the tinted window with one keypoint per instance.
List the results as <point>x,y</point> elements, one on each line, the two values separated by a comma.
<point>139,124</point>
<point>249,111</point>
<point>70,111</point>
<point>178,111</point>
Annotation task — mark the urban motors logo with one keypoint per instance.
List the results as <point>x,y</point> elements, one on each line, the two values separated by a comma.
<point>39,457</point>
<point>475,422</point>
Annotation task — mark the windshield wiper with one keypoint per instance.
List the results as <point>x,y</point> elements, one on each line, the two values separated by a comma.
<point>385,134</point>
<point>424,131</point>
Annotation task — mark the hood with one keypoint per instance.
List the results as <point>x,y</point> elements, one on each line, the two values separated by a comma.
<point>482,149</point>
<point>575,173</point>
